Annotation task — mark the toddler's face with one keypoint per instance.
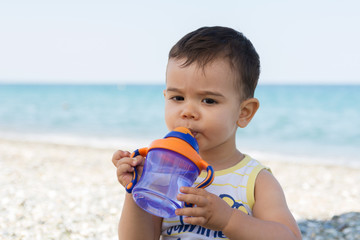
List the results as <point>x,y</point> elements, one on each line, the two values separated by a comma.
<point>203,100</point>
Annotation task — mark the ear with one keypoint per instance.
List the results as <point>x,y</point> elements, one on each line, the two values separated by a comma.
<point>248,110</point>
<point>164,92</point>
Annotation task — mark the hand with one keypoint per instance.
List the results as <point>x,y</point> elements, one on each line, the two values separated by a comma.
<point>209,210</point>
<point>125,166</point>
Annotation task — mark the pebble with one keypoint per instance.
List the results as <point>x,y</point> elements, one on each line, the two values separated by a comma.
<point>341,227</point>
<point>46,194</point>
<point>59,192</point>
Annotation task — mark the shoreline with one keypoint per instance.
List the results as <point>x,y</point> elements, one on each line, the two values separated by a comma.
<point>129,143</point>
<point>71,189</point>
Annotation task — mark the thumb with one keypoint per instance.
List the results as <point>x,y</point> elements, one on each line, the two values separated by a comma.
<point>138,161</point>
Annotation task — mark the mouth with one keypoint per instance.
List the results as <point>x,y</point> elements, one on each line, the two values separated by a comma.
<point>193,132</point>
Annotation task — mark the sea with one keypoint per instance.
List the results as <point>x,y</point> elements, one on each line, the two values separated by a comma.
<point>302,123</point>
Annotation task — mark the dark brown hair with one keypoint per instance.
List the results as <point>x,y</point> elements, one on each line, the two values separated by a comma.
<point>207,44</point>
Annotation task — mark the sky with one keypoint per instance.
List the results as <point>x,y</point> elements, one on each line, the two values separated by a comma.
<point>109,41</point>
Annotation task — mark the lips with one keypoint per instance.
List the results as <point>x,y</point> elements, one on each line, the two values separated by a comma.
<point>193,132</point>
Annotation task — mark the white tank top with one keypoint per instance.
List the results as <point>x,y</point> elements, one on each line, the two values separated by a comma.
<point>234,185</point>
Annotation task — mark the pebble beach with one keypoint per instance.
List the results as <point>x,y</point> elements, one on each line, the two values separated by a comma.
<point>55,191</point>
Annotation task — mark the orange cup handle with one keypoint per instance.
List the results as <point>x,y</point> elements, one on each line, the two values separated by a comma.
<point>131,185</point>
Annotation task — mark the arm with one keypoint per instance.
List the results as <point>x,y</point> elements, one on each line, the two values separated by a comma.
<point>271,217</point>
<point>135,223</point>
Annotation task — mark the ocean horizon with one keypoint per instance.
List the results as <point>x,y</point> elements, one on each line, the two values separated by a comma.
<point>308,123</point>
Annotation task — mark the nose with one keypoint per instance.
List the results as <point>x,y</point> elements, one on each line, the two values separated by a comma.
<point>190,112</point>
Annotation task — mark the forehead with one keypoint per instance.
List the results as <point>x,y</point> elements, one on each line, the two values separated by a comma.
<point>217,72</point>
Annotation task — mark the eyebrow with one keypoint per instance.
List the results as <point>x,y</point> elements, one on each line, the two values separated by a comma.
<point>173,90</point>
<point>207,93</point>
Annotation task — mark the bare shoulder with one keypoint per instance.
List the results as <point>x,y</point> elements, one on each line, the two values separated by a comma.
<point>270,203</point>
<point>269,196</point>
<point>268,188</point>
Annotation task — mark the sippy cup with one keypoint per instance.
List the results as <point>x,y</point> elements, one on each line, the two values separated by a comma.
<point>171,162</point>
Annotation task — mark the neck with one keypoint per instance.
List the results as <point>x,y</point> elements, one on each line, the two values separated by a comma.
<point>222,157</point>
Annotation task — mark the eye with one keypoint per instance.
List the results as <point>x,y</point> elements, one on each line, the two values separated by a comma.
<point>177,98</point>
<point>209,101</point>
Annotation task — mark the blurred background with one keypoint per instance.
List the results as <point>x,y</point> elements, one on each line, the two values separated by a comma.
<point>92,72</point>
<point>79,79</point>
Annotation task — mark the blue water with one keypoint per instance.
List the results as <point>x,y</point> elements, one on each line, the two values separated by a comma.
<point>303,120</point>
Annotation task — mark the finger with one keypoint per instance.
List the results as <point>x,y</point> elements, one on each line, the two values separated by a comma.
<point>192,190</point>
<point>195,220</point>
<point>191,212</point>
<point>118,155</point>
<point>138,160</point>
<point>125,168</point>
<point>194,199</point>
<point>126,160</point>
<point>124,174</point>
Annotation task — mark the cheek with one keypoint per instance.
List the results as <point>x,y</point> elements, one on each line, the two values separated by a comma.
<point>169,116</point>
<point>225,121</point>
